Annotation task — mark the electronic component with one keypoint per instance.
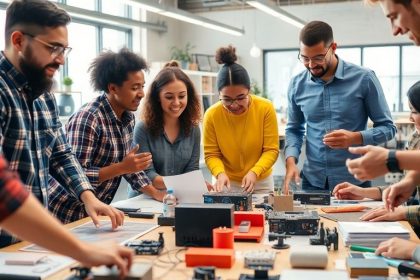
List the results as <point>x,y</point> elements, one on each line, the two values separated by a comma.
<point>280,240</point>
<point>127,209</point>
<point>294,223</point>
<point>259,274</point>
<point>263,259</point>
<point>244,226</point>
<point>325,237</point>
<point>147,247</point>
<point>205,273</point>
<point>144,215</point>
<point>241,200</point>
<point>321,197</point>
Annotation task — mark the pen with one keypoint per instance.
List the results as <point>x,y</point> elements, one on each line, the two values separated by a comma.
<point>362,248</point>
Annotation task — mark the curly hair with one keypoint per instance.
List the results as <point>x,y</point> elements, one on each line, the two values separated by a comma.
<point>110,67</point>
<point>152,114</point>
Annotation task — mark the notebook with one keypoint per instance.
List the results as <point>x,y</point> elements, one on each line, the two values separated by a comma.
<point>370,234</point>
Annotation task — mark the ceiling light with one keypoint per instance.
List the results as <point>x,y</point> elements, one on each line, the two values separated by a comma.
<point>182,15</point>
<point>270,8</point>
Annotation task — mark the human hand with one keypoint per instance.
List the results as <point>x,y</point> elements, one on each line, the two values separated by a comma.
<point>382,214</point>
<point>107,253</point>
<point>248,181</point>
<point>396,194</point>
<point>372,164</point>
<point>292,173</point>
<point>348,191</point>
<point>342,139</point>
<point>94,208</point>
<point>397,248</point>
<point>209,186</point>
<point>222,180</point>
<point>133,162</point>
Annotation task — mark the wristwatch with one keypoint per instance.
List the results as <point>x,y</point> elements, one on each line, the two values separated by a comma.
<point>392,162</point>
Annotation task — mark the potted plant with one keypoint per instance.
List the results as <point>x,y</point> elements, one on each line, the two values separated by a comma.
<point>67,82</point>
<point>255,89</point>
<point>182,55</point>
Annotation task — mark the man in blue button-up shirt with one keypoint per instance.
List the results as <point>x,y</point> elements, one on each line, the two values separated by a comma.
<point>332,102</point>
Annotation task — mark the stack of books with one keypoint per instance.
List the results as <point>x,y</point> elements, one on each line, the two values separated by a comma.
<point>370,234</point>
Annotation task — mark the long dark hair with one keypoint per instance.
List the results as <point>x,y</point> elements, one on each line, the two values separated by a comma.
<point>153,113</point>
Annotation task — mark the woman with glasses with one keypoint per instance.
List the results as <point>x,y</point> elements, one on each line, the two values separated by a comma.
<point>241,140</point>
<point>169,127</point>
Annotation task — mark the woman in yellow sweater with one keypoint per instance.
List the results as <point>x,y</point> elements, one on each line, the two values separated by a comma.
<point>241,140</point>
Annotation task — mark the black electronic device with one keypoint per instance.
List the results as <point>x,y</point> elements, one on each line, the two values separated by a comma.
<point>138,271</point>
<point>147,247</point>
<point>205,273</point>
<point>405,268</point>
<point>166,221</point>
<point>195,222</point>
<point>127,210</point>
<point>259,274</point>
<point>241,200</point>
<point>144,215</point>
<point>321,197</point>
<point>325,236</point>
<point>294,223</point>
<point>80,273</point>
<point>280,240</point>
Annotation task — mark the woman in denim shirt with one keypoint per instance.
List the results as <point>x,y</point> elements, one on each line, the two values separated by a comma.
<point>169,129</point>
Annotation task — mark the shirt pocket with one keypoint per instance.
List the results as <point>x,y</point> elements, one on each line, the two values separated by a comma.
<point>14,139</point>
<point>47,139</point>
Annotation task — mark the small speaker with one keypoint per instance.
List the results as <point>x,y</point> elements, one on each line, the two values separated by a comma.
<point>194,222</point>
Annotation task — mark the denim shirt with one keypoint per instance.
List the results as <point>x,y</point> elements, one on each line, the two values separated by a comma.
<point>352,96</point>
<point>176,158</point>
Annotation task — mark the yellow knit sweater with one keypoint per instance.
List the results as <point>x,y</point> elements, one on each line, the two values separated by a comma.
<point>236,144</point>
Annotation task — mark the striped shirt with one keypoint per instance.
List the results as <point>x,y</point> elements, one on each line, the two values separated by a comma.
<point>31,137</point>
<point>12,194</point>
<point>98,139</point>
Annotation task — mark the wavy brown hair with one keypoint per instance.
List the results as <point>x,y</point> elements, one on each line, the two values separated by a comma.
<point>153,114</point>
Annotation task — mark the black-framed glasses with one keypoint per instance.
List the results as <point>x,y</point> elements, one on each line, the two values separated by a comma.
<point>55,50</point>
<point>319,59</point>
<point>230,101</point>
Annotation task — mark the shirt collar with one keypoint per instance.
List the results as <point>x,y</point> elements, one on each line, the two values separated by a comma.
<point>339,72</point>
<point>126,118</point>
<point>16,77</point>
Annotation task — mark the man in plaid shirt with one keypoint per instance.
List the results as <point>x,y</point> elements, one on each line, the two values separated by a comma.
<point>101,133</point>
<point>31,137</point>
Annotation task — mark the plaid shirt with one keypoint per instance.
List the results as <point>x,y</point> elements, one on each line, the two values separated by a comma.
<point>12,194</point>
<point>31,136</point>
<point>98,139</point>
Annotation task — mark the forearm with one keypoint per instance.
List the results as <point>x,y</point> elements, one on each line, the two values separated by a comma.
<point>408,160</point>
<point>45,231</point>
<point>153,192</point>
<point>373,193</point>
<point>110,171</point>
<point>158,183</point>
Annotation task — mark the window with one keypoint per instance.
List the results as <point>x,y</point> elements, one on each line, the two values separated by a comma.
<point>84,4</point>
<point>393,65</point>
<point>80,57</point>
<point>410,71</point>
<point>114,39</point>
<point>112,7</point>
<point>385,62</point>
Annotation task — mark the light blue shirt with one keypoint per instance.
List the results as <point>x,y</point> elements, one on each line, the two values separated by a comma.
<point>352,96</point>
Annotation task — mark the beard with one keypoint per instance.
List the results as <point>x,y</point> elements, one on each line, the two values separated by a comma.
<point>320,74</point>
<point>37,79</point>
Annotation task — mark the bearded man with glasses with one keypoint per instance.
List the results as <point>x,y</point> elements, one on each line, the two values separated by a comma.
<point>31,137</point>
<point>331,102</point>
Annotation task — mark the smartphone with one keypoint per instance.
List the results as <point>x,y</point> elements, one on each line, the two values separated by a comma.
<point>144,215</point>
<point>128,209</point>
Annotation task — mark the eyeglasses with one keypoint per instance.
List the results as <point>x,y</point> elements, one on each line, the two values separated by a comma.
<point>316,59</point>
<point>54,50</point>
<point>230,101</point>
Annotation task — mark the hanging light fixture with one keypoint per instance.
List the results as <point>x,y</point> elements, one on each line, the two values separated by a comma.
<point>255,51</point>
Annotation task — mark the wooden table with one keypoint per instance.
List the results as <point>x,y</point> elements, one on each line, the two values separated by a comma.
<point>167,265</point>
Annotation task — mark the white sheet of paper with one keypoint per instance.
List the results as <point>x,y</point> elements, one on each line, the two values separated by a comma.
<point>188,187</point>
<point>143,201</point>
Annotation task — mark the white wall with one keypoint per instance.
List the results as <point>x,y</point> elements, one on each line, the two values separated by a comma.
<point>353,24</point>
